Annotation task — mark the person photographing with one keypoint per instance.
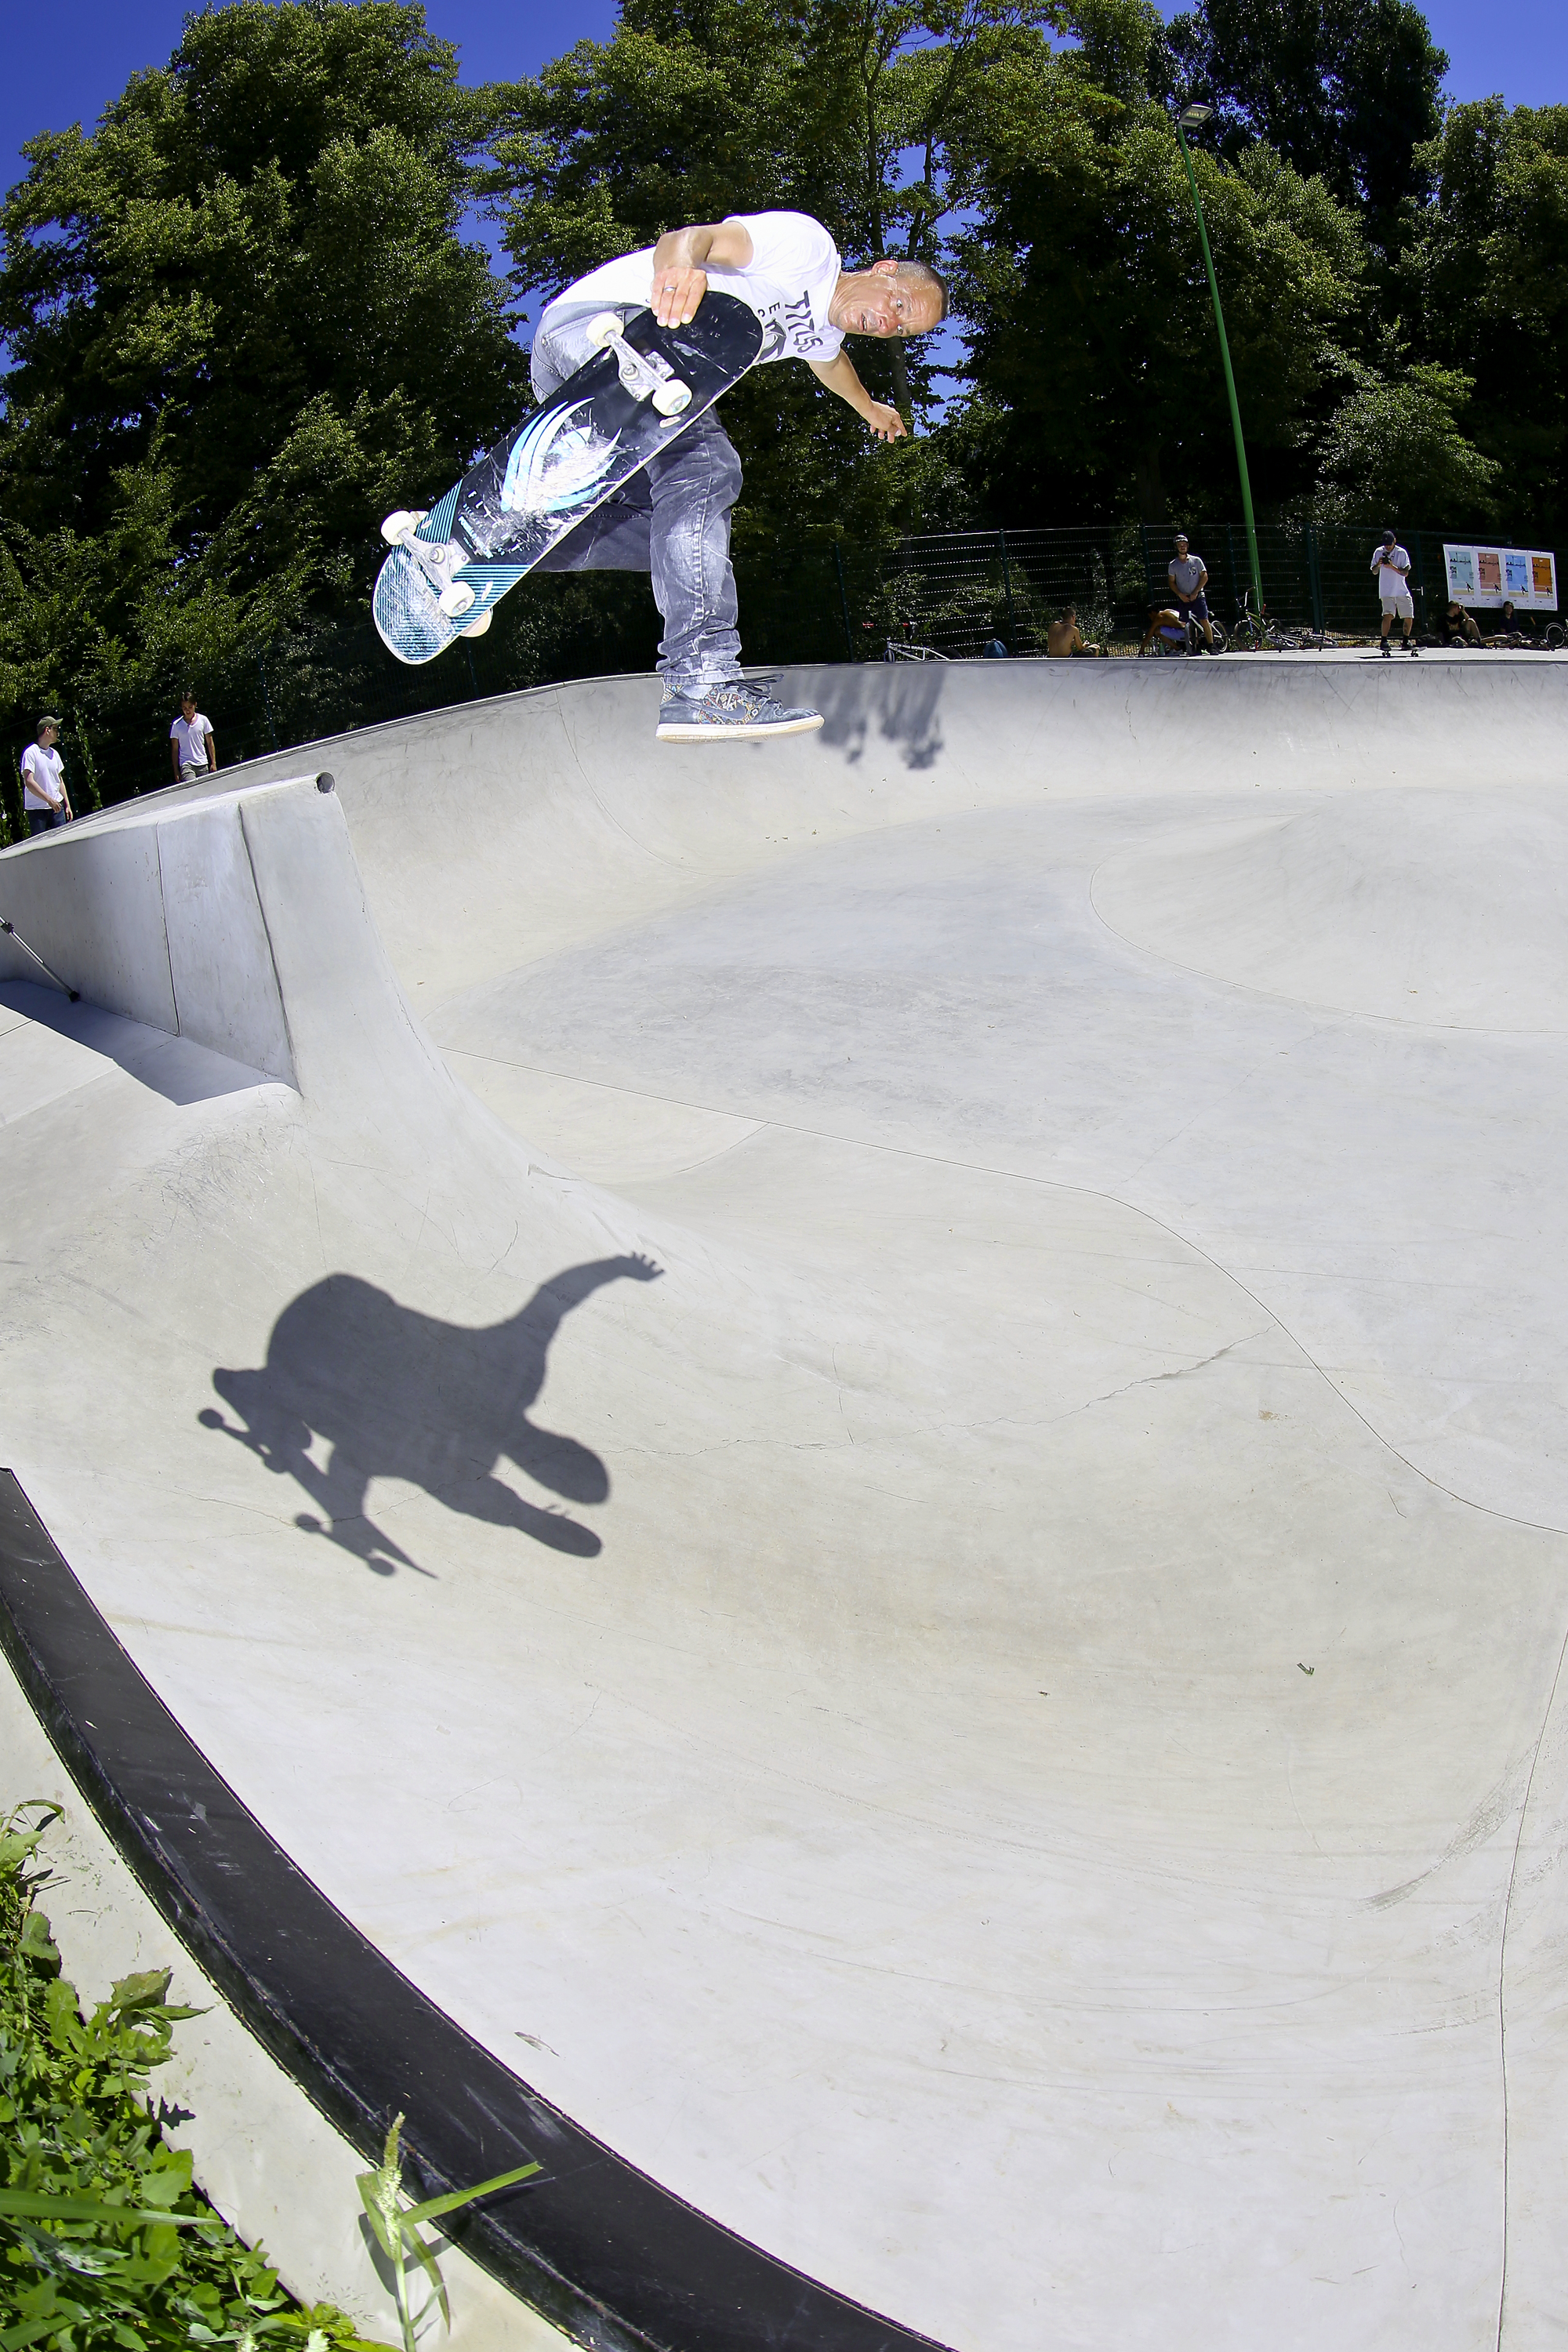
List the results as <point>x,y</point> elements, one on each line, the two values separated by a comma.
<point>1392,564</point>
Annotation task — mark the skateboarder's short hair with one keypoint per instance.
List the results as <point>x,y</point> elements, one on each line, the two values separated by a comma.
<point>920,274</point>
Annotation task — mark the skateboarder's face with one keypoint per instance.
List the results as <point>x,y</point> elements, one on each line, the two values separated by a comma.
<point>878,302</point>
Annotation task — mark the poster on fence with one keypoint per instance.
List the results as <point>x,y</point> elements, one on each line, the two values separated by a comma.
<point>1525,577</point>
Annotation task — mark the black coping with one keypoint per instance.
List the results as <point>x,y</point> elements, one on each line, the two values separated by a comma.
<point>602,2251</point>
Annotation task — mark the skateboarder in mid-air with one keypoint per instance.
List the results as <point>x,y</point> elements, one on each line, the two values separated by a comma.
<point>672,520</point>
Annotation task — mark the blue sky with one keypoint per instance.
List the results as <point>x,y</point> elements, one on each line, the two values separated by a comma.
<point>65,61</point>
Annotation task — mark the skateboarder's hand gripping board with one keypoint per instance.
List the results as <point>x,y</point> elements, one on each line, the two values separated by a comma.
<point>450,568</point>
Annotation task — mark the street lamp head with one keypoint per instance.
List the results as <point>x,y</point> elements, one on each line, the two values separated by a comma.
<point>1192,116</point>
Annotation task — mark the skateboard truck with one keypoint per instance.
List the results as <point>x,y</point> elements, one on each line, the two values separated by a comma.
<point>436,559</point>
<point>647,375</point>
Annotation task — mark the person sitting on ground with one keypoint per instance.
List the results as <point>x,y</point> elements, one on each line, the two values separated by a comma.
<point>1513,629</point>
<point>1458,627</point>
<point>1170,628</point>
<point>1188,576</point>
<point>45,800</point>
<point>1063,641</point>
<point>192,746</point>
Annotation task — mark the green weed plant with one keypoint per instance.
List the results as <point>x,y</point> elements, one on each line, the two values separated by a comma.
<point>104,2239</point>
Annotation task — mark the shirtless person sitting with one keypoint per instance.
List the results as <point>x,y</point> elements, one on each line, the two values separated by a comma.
<point>1169,628</point>
<point>1063,641</point>
<point>1459,628</point>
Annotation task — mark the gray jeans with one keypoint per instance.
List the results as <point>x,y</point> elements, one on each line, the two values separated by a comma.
<point>671,521</point>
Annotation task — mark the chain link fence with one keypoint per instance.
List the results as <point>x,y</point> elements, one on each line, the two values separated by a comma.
<point>950,594</point>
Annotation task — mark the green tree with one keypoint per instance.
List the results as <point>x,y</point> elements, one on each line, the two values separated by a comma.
<point>1345,91</point>
<point>1394,446</point>
<point>697,109</point>
<point>1486,286</point>
<point>245,323</point>
<point>1093,360</point>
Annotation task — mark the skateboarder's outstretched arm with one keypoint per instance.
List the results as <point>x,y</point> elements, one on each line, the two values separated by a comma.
<point>838,374</point>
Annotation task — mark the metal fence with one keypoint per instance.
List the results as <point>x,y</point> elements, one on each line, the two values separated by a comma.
<point>951,593</point>
<point>957,592</point>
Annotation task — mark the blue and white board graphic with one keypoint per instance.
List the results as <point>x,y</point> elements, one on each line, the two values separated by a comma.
<point>524,496</point>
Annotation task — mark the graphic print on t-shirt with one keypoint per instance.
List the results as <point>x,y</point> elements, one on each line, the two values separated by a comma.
<point>789,329</point>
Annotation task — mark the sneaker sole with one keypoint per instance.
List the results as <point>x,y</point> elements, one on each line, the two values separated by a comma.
<point>686,730</point>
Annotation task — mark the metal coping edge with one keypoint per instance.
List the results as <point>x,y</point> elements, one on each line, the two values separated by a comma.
<point>596,2247</point>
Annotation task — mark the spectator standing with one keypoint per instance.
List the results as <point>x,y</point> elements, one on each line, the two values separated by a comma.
<point>1189,578</point>
<point>1392,564</point>
<point>192,746</point>
<point>45,800</point>
<point>1063,640</point>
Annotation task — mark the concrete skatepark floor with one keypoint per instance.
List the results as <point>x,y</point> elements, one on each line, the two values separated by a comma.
<point>908,1389</point>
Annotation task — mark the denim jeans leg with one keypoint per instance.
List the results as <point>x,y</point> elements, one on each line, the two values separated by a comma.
<point>695,484</point>
<point>684,545</point>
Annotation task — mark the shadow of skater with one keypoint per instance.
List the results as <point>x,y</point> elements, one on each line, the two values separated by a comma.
<point>395,1394</point>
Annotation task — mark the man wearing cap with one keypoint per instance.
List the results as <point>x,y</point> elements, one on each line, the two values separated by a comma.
<point>1392,564</point>
<point>1188,575</point>
<point>45,800</point>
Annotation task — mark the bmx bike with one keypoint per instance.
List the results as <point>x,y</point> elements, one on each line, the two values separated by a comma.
<point>1259,633</point>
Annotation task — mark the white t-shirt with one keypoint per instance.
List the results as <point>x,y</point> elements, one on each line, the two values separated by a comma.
<point>788,282</point>
<point>43,775</point>
<point>1391,583</point>
<point>191,735</point>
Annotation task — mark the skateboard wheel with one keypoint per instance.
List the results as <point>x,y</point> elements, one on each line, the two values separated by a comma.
<point>399,528</point>
<point>669,399</point>
<point>602,329</point>
<point>477,628</point>
<point>455,599</point>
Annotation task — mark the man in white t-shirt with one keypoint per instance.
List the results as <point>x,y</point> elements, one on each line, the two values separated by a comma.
<point>192,746</point>
<point>45,800</point>
<point>1392,565</point>
<point>672,520</point>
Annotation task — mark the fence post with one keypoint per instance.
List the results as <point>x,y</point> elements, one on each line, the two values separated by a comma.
<point>1230,563</point>
<point>1315,580</point>
<point>1420,585</point>
<point>843,603</point>
<point>1007,587</point>
<point>266,701</point>
<point>1147,567</point>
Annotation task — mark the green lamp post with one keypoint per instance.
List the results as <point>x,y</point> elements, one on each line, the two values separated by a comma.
<point>1189,120</point>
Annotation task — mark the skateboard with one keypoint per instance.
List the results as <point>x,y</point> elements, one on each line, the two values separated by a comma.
<point>450,567</point>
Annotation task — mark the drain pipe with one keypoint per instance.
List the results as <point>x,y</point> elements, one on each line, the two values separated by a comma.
<point>12,933</point>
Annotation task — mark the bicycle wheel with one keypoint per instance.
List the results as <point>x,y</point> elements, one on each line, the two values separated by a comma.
<point>1556,639</point>
<point>1221,641</point>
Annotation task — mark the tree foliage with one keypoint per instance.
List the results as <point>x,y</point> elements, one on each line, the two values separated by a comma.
<point>1486,286</point>
<point>1093,352</point>
<point>1345,91</point>
<point>244,323</point>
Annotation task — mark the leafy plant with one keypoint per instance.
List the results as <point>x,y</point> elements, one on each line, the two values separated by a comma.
<point>104,2239</point>
<point>398,2225</point>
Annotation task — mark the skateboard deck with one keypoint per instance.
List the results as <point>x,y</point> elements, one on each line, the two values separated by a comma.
<point>547,475</point>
